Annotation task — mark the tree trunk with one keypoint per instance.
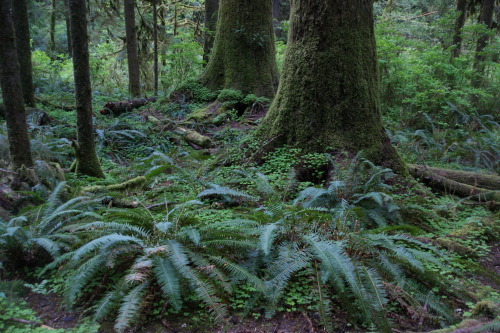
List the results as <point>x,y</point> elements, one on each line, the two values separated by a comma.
<point>487,8</point>
<point>328,98</point>
<point>243,56</point>
<point>87,162</point>
<point>68,26</point>
<point>15,114</point>
<point>23,43</point>
<point>155,37</point>
<point>52,32</point>
<point>132,56</point>
<point>211,14</point>
<point>459,24</point>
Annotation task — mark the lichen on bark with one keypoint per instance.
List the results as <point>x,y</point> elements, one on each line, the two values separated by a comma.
<point>328,97</point>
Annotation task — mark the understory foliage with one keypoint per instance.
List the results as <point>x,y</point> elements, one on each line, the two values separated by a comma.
<point>236,230</point>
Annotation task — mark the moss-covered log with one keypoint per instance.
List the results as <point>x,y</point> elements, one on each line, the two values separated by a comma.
<point>449,186</point>
<point>87,162</point>
<point>486,181</point>
<point>243,56</point>
<point>117,108</point>
<point>328,97</point>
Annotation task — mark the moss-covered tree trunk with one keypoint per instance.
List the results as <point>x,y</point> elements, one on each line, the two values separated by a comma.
<point>87,162</point>
<point>23,43</point>
<point>15,114</point>
<point>243,56</point>
<point>52,30</point>
<point>459,24</point>
<point>68,26</point>
<point>132,55</point>
<point>486,18</point>
<point>328,98</point>
<point>211,14</point>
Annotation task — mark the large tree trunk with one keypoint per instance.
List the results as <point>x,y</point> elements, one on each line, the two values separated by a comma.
<point>211,11</point>
<point>132,55</point>
<point>68,26</point>
<point>459,24</point>
<point>155,46</point>
<point>15,114</point>
<point>328,98</point>
<point>52,30</point>
<point>487,8</point>
<point>23,43</point>
<point>243,56</point>
<point>87,162</point>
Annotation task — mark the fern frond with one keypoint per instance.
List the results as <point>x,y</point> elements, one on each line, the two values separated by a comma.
<point>267,237</point>
<point>48,245</point>
<point>225,191</point>
<point>240,273</point>
<point>105,304</point>
<point>168,280</point>
<point>82,275</point>
<point>493,326</point>
<point>130,307</point>
<point>104,241</point>
<point>324,307</point>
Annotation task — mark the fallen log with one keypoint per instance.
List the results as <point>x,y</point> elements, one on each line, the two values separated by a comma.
<point>449,186</point>
<point>117,108</point>
<point>191,136</point>
<point>491,182</point>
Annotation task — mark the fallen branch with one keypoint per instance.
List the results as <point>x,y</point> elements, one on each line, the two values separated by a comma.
<point>491,182</point>
<point>117,108</point>
<point>449,186</point>
<point>32,323</point>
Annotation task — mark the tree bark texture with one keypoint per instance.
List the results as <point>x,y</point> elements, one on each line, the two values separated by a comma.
<point>486,17</point>
<point>117,108</point>
<point>328,98</point>
<point>15,114</point>
<point>155,41</point>
<point>87,162</point>
<point>132,55</point>
<point>23,43</point>
<point>211,14</point>
<point>52,31</point>
<point>459,24</point>
<point>243,57</point>
<point>68,26</point>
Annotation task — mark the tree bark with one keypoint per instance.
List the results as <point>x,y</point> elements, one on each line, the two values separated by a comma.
<point>243,56</point>
<point>52,31</point>
<point>132,55</point>
<point>117,108</point>
<point>23,43</point>
<point>68,26</point>
<point>486,18</point>
<point>490,182</point>
<point>459,24</point>
<point>449,186</point>
<point>87,162</point>
<point>328,97</point>
<point>15,114</point>
<point>211,14</point>
<point>155,37</point>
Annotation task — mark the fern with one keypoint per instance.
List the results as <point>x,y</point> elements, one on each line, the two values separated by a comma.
<point>168,280</point>
<point>130,307</point>
<point>102,242</point>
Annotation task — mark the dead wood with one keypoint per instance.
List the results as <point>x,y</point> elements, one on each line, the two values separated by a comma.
<point>449,186</point>
<point>117,108</point>
<point>486,181</point>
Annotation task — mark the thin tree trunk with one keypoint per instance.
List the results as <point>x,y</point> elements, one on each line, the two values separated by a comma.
<point>23,43</point>
<point>243,57</point>
<point>155,36</point>
<point>52,43</point>
<point>486,18</point>
<point>328,98</point>
<point>459,24</point>
<point>87,162</point>
<point>132,55</point>
<point>211,14</point>
<point>15,114</point>
<point>68,26</point>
